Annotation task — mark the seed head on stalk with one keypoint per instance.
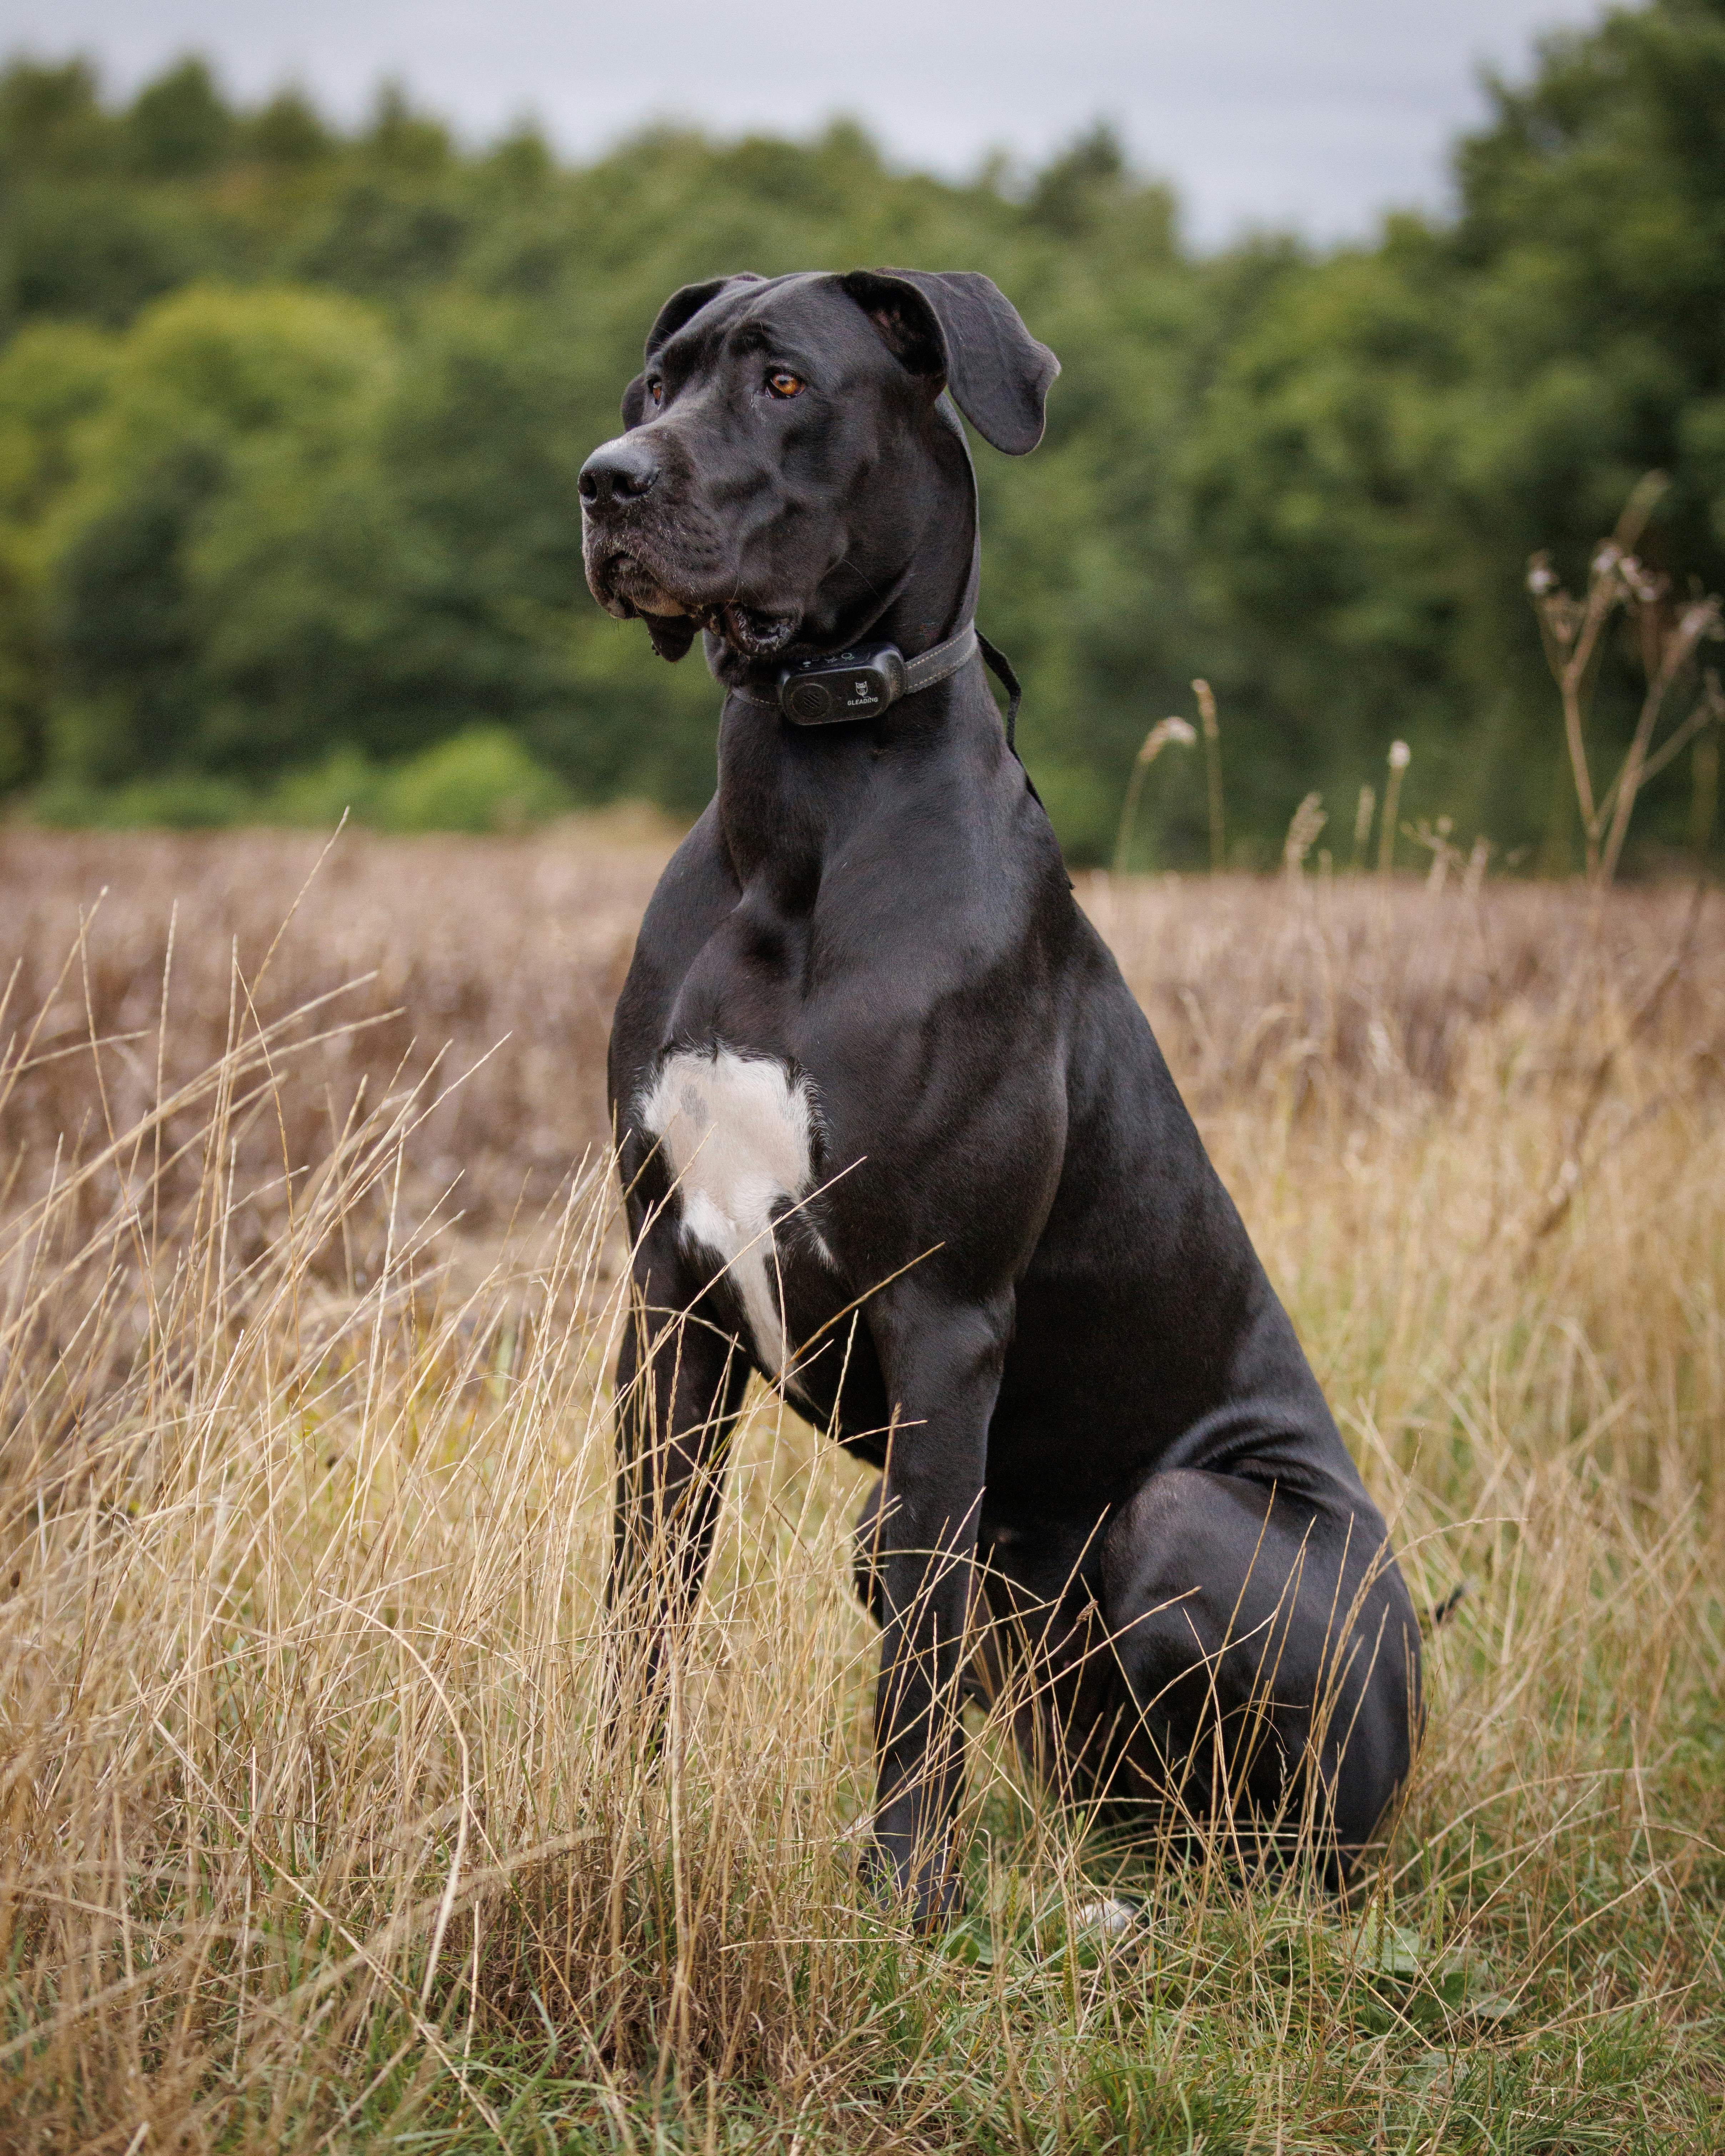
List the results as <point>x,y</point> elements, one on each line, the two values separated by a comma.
<point>1400,756</point>
<point>1178,730</point>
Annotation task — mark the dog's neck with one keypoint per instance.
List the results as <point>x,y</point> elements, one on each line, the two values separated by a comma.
<point>914,587</point>
<point>788,793</point>
<point>790,796</point>
<point>934,593</point>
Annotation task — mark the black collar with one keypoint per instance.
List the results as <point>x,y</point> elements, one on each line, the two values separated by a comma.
<point>848,686</point>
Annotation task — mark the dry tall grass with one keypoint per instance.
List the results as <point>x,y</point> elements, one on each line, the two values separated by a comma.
<point>309,1833</point>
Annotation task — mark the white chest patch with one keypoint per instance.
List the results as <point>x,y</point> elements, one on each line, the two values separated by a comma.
<point>735,1133</point>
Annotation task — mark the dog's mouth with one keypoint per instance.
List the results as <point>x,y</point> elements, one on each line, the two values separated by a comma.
<point>751,630</point>
<point>627,586</point>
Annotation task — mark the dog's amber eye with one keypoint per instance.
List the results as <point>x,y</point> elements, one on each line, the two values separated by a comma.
<point>655,390</point>
<point>782,383</point>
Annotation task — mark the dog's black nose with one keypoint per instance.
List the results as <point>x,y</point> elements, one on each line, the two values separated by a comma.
<point>620,471</point>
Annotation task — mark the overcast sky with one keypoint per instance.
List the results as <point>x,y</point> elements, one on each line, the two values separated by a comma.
<point>1272,112</point>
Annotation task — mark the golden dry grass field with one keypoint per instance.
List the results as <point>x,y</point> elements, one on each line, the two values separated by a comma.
<point>312,1835</point>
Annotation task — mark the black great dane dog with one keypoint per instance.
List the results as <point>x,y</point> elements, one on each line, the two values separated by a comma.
<point>896,1135</point>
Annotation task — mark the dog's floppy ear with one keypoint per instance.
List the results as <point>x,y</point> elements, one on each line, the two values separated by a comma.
<point>962,327</point>
<point>682,307</point>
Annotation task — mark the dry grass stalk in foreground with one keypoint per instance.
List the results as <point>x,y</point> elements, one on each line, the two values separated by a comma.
<point>312,1834</point>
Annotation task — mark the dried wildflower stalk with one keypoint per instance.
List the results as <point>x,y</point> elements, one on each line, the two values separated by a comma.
<point>1669,636</point>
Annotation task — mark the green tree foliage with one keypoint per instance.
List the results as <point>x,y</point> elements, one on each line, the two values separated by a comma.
<point>1391,433</point>
<point>290,422</point>
<point>205,590</point>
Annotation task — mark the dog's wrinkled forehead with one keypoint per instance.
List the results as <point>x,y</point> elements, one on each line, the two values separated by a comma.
<point>939,329</point>
<point>806,321</point>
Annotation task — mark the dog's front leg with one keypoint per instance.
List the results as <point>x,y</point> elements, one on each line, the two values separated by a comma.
<point>681,1375</point>
<point>941,1363</point>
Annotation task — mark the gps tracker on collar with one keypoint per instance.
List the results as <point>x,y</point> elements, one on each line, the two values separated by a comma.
<point>861,683</point>
<point>850,685</point>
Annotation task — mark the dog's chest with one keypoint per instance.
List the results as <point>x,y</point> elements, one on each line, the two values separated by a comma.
<point>737,1133</point>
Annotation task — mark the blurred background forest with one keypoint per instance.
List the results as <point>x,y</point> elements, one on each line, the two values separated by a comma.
<point>290,419</point>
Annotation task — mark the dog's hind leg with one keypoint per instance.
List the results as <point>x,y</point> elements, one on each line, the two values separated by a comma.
<point>1042,1663</point>
<point>1269,1658</point>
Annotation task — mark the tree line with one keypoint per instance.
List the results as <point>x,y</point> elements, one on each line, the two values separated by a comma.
<point>290,419</point>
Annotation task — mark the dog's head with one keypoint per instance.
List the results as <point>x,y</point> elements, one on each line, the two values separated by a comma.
<point>786,445</point>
